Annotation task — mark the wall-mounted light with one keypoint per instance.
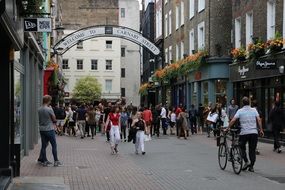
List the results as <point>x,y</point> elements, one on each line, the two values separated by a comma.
<point>281,69</point>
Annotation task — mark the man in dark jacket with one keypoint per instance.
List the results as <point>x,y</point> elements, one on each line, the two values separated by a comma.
<point>277,120</point>
<point>193,113</point>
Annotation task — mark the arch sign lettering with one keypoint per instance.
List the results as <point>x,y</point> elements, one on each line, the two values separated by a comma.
<point>104,31</point>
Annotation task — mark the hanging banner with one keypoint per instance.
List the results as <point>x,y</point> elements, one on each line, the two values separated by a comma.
<point>37,25</point>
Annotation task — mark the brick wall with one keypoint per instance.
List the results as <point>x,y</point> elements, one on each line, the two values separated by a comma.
<point>82,13</point>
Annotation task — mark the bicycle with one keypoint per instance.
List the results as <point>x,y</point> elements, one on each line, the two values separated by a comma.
<point>232,153</point>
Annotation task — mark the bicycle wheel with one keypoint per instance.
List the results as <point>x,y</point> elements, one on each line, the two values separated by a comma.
<point>237,160</point>
<point>222,156</point>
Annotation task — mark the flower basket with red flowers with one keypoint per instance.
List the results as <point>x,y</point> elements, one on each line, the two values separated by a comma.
<point>275,45</point>
<point>239,54</point>
<point>256,50</point>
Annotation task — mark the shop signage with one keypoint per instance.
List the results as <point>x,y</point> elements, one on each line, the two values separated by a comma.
<point>100,31</point>
<point>266,64</point>
<point>198,75</point>
<point>37,25</point>
<point>242,71</point>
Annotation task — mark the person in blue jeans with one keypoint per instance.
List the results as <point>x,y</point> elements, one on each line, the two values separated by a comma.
<point>47,122</point>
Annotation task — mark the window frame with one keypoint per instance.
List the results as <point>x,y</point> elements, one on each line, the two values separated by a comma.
<point>166,55</point>
<point>94,61</point>
<point>191,41</point>
<point>201,37</point>
<point>107,86</point>
<point>271,19</point>
<point>237,32</point>
<point>201,5</point>
<point>191,9</point>
<point>182,20</point>
<point>106,64</point>
<point>170,22</point>
<point>79,45</point>
<point>123,72</point>
<point>170,54</point>
<point>124,12</point>
<point>249,27</point>
<point>123,54</point>
<point>78,64</point>
<point>177,17</point>
<point>166,25</point>
<point>65,64</point>
<point>109,45</point>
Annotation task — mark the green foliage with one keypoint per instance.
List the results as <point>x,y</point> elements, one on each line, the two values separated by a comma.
<point>87,90</point>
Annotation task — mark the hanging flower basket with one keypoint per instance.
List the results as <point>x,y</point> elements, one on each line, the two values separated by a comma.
<point>256,50</point>
<point>274,45</point>
<point>239,54</point>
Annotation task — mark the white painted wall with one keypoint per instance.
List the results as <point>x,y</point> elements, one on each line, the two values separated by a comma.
<point>131,61</point>
<point>95,49</point>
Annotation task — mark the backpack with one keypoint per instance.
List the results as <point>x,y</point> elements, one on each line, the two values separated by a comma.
<point>74,114</point>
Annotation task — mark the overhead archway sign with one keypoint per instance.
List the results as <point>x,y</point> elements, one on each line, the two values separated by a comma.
<point>104,31</point>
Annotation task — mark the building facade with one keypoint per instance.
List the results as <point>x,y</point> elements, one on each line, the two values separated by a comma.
<point>191,26</point>
<point>148,59</point>
<point>23,58</point>
<point>130,53</point>
<point>99,58</point>
<point>262,77</point>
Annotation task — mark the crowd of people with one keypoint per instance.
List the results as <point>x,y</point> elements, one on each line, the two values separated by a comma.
<point>127,123</point>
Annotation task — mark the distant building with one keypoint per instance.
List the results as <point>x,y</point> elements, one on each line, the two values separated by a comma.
<point>130,53</point>
<point>195,25</point>
<point>262,78</point>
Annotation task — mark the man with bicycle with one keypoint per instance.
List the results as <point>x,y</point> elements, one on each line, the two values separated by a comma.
<point>247,117</point>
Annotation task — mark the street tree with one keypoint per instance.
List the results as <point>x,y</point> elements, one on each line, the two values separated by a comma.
<point>87,90</point>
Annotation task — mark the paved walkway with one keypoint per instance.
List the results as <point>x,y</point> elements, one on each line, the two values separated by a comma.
<point>170,163</point>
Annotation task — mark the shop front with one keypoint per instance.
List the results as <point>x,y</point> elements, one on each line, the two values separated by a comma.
<point>210,83</point>
<point>262,80</point>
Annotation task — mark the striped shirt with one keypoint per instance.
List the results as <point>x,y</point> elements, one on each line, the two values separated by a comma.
<point>247,118</point>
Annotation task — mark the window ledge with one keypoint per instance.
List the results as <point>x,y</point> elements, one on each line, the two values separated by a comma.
<point>201,10</point>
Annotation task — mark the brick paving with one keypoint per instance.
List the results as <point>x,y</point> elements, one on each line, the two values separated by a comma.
<point>169,164</point>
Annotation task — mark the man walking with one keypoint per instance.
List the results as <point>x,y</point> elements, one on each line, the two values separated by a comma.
<point>193,113</point>
<point>81,120</point>
<point>249,132</point>
<point>163,114</point>
<point>47,123</point>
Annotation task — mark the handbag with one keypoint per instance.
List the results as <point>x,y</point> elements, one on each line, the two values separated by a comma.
<point>212,117</point>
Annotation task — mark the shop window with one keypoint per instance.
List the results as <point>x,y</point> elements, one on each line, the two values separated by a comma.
<point>18,105</point>
<point>205,93</point>
<point>194,93</point>
<point>221,88</point>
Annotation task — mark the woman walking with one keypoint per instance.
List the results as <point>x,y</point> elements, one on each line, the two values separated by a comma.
<point>115,121</point>
<point>172,117</point>
<point>91,115</point>
<point>182,118</point>
<point>140,125</point>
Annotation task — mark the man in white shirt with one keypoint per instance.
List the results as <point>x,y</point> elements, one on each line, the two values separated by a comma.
<point>249,133</point>
<point>163,119</point>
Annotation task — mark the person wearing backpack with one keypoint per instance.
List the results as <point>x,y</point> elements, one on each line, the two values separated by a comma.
<point>182,119</point>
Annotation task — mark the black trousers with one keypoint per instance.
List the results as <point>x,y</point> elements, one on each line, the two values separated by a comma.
<point>251,139</point>
<point>276,135</point>
<point>87,128</point>
<point>93,129</point>
<point>156,128</point>
<point>123,132</point>
<point>193,125</point>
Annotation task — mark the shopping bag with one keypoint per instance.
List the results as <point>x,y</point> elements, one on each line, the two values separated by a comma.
<point>226,122</point>
<point>212,117</point>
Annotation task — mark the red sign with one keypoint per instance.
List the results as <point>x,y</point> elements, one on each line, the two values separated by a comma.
<point>198,75</point>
